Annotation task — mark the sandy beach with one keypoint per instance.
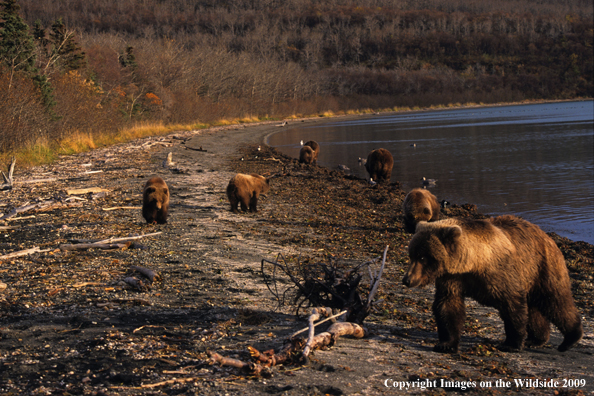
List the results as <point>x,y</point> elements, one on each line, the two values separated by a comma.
<point>72,323</point>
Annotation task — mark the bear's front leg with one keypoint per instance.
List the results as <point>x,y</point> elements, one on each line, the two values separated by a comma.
<point>450,312</point>
<point>254,204</point>
<point>515,320</point>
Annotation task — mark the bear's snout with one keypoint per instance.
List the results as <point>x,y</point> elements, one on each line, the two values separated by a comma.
<point>414,276</point>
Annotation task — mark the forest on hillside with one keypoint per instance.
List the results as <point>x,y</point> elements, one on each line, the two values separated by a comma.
<point>97,66</point>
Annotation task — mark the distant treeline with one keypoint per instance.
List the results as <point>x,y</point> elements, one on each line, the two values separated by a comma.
<point>183,61</point>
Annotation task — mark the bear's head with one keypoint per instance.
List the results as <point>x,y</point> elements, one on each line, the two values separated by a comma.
<point>430,252</point>
<point>156,196</point>
<point>417,207</point>
<point>306,155</point>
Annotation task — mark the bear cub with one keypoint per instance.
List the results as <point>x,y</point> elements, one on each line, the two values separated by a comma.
<point>155,201</point>
<point>245,190</point>
<point>379,165</point>
<point>419,205</point>
<point>503,262</point>
<point>309,153</point>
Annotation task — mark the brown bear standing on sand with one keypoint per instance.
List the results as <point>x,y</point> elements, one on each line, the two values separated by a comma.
<point>245,190</point>
<point>306,155</point>
<point>504,262</point>
<point>379,165</point>
<point>419,205</point>
<point>316,149</point>
<point>155,201</point>
<point>309,153</point>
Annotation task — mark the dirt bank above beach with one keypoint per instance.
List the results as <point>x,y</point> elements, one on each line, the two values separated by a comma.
<point>71,324</point>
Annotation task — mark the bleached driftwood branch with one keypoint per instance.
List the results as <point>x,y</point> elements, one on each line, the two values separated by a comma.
<point>121,207</point>
<point>320,322</point>
<point>168,162</point>
<point>7,185</point>
<point>96,245</point>
<point>27,207</point>
<point>25,252</point>
<point>375,280</point>
<point>79,191</point>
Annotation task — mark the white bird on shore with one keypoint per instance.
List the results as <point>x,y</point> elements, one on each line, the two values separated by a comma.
<point>371,182</point>
<point>302,142</point>
<point>428,182</point>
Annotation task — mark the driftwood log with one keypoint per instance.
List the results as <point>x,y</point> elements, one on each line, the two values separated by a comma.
<point>136,283</point>
<point>121,207</point>
<point>80,191</point>
<point>296,349</point>
<point>114,240</point>
<point>147,272</point>
<point>8,181</point>
<point>27,207</point>
<point>96,245</point>
<point>196,149</point>
<point>25,252</point>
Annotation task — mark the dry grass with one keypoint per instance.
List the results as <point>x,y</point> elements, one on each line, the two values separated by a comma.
<point>77,142</point>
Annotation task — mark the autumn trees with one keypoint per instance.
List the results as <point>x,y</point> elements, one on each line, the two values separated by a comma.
<point>105,64</point>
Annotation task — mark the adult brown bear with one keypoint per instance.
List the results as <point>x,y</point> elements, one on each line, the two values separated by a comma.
<point>379,165</point>
<point>504,262</point>
<point>419,205</point>
<point>245,190</point>
<point>155,201</point>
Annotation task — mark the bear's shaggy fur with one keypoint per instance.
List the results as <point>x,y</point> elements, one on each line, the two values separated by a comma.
<point>419,205</point>
<point>316,149</point>
<point>245,190</point>
<point>309,152</point>
<point>155,201</point>
<point>503,262</point>
<point>306,155</point>
<point>379,165</point>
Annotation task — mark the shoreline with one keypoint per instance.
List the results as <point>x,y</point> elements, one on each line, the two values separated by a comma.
<point>578,230</point>
<point>71,323</point>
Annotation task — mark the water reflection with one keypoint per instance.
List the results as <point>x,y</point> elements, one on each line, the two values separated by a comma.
<point>535,161</point>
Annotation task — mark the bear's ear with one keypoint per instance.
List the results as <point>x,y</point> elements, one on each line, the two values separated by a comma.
<point>450,237</point>
<point>165,191</point>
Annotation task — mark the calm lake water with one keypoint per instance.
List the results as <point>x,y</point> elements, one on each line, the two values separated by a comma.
<point>535,161</point>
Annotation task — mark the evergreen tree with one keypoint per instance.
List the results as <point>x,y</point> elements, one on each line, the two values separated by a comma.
<point>65,48</point>
<point>17,50</point>
<point>129,59</point>
<point>16,43</point>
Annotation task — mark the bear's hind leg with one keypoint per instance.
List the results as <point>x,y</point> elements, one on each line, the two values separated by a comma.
<point>450,312</point>
<point>538,328</point>
<point>557,306</point>
<point>569,323</point>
